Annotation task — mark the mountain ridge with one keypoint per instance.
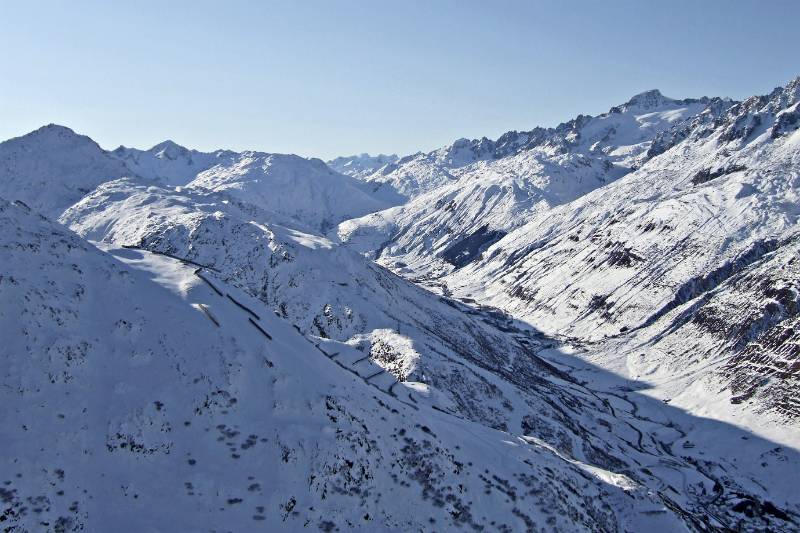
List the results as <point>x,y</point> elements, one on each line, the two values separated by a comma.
<point>498,184</point>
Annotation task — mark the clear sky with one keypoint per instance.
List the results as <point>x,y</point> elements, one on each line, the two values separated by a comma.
<point>325,78</point>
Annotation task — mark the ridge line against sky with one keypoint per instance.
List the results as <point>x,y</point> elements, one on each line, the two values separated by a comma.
<point>324,79</point>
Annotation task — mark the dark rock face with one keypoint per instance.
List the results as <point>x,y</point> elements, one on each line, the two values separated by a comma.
<point>467,249</point>
<point>749,312</point>
<point>706,175</point>
<point>764,332</point>
<point>623,257</point>
<point>785,122</point>
<point>715,110</point>
<point>773,369</point>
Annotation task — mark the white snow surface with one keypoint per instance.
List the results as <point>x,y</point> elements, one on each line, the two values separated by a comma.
<point>303,189</point>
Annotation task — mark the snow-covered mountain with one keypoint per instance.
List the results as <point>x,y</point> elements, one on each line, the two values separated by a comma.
<point>53,167</point>
<point>624,133</point>
<point>171,163</point>
<point>623,357</point>
<point>493,187</point>
<point>328,291</point>
<point>683,271</point>
<point>135,395</point>
<point>303,189</point>
<point>476,370</point>
<point>362,165</point>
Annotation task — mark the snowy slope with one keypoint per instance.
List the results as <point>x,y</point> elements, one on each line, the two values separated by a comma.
<point>475,364</point>
<point>303,189</point>
<point>52,168</point>
<point>687,263</point>
<point>135,396</point>
<point>495,186</point>
<point>169,162</point>
<point>364,166</point>
<point>325,289</point>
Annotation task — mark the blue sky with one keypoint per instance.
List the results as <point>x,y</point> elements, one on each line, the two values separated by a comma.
<point>326,78</point>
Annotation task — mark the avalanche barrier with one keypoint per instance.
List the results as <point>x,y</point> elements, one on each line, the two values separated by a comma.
<point>199,275</point>
<point>259,328</point>
<point>241,305</point>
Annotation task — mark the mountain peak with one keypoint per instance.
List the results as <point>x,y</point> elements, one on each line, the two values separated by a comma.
<point>167,145</point>
<point>51,168</point>
<point>652,93</point>
<point>169,149</point>
<point>646,100</point>
<point>56,128</point>
<point>53,131</point>
<point>792,90</point>
<point>55,135</point>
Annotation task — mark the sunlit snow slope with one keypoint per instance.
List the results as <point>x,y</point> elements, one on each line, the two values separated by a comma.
<point>141,393</point>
